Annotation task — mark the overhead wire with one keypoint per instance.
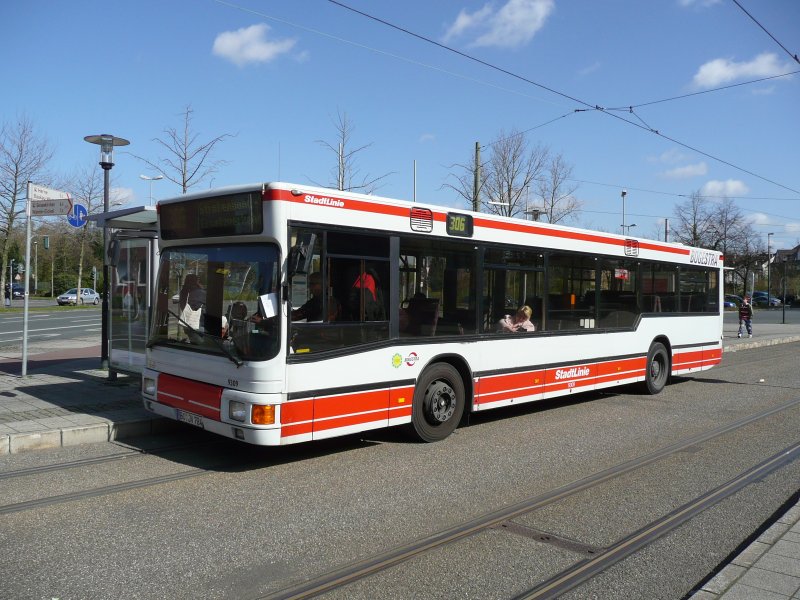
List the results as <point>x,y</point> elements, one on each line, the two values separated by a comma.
<point>716,89</point>
<point>379,51</point>
<point>588,105</point>
<point>764,29</point>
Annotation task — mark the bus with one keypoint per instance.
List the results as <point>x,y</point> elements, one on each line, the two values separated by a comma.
<point>286,313</point>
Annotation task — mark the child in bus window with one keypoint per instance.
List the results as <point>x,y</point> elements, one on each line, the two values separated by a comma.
<point>521,321</point>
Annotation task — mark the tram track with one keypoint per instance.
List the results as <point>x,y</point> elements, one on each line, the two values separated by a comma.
<point>99,460</point>
<point>583,570</point>
<point>158,452</point>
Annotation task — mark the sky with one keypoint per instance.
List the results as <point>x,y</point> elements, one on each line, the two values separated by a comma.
<point>421,82</point>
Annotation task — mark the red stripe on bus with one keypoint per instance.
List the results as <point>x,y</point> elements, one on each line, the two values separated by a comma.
<point>622,367</point>
<point>298,429</point>
<point>521,227</point>
<point>192,396</point>
<point>686,358</point>
<point>297,412</point>
<point>500,383</point>
<point>350,420</point>
<point>348,404</point>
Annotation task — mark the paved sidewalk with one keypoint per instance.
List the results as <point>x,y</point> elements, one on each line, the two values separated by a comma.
<point>768,569</point>
<point>67,399</point>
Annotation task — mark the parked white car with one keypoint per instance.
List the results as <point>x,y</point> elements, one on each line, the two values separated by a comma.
<point>88,296</point>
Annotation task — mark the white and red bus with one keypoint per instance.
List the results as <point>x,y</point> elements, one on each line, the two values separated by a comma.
<point>285,313</point>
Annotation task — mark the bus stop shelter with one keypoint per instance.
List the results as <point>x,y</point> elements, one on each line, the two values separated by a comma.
<point>132,256</point>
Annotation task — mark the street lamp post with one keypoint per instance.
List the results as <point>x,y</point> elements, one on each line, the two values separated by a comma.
<point>624,193</point>
<point>106,143</point>
<point>151,180</point>
<point>769,264</point>
<point>783,302</point>
<point>628,228</point>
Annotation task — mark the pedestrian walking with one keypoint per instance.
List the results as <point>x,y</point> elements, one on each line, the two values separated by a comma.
<point>746,317</point>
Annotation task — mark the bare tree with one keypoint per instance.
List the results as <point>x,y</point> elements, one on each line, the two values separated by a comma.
<point>722,227</point>
<point>188,161</point>
<point>556,193</point>
<point>695,224</point>
<point>346,172</point>
<point>511,174</point>
<point>23,157</point>
<point>467,177</point>
<point>748,257</point>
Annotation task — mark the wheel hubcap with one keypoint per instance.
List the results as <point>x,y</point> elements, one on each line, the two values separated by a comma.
<point>655,369</point>
<point>440,401</point>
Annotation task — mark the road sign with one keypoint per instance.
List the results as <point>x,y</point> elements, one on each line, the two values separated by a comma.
<point>46,202</point>
<point>77,217</point>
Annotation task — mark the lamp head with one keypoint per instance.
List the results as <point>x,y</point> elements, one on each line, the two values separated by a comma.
<point>106,142</point>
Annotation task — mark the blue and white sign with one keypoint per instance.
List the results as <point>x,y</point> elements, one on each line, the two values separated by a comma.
<point>77,216</point>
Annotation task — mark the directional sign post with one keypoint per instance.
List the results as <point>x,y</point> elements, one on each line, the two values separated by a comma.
<point>45,202</point>
<point>42,202</point>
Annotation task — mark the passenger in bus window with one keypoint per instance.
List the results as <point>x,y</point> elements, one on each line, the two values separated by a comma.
<point>312,309</point>
<point>521,321</point>
<point>192,298</point>
<point>368,284</point>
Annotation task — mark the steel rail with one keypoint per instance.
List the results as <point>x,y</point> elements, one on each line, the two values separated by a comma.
<point>362,569</point>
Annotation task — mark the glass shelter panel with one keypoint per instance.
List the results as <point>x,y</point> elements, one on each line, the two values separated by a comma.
<point>130,303</point>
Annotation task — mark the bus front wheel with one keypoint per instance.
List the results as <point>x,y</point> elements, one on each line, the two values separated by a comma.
<point>657,368</point>
<point>438,403</point>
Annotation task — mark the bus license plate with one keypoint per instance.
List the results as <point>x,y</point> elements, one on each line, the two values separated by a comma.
<point>190,418</point>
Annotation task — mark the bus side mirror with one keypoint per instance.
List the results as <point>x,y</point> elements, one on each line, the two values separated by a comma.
<point>301,254</point>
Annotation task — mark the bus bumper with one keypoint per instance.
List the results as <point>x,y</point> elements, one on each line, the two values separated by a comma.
<point>231,402</point>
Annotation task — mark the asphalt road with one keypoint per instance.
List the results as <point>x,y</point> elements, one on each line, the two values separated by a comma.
<point>215,519</point>
<point>48,322</point>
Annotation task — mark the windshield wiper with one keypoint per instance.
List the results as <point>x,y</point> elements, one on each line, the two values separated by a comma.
<point>220,344</point>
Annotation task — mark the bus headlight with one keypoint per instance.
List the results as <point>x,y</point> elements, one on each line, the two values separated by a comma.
<point>149,386</point>
<point>237,411</point>
<point>263,414</point>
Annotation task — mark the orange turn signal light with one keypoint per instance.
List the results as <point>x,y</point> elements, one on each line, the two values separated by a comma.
<point>263,414</point>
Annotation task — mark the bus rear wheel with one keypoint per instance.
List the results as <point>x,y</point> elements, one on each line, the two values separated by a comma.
<point>438,403</point>
<point>657,368</point>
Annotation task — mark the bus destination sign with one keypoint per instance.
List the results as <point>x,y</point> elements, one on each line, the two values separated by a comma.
<point>236,214</point>
<point>459,225</point>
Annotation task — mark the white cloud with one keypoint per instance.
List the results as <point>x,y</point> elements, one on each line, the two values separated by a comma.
<point>687,171</point>
<point>250,45</point>
<point>595,66</point>
<point>721,71</point>
<point>673,156</point>
<point>513,25</point>
<point>120,196</point>
<point>759,219</point>
<point>427,137</point>
<point>465,21</point>
<point>728,189</point>
<point>700,3</point>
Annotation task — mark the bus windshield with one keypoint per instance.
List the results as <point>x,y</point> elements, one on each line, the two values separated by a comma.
<point>219,299</point>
